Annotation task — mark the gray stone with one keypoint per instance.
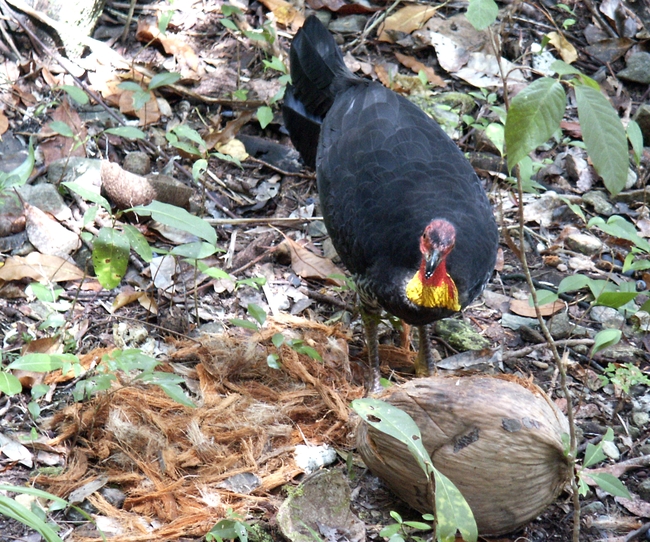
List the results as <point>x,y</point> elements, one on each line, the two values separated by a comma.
<point>594,507</point>
<point>512,321</point>
<point>560,326</point>
<point>637,69</point>
<point>137,162</point>
<point>598,200</point>
<point>460,334</point>
<point>610,450</point>
<point>584,243</point>
<point>640,418</point>
<point>608,317</point>
<point>350,24</point>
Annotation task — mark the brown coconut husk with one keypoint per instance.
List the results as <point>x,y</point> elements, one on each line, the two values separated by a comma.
<point>499,440</point>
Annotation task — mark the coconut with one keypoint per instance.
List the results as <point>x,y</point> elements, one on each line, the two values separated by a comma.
<point>498,440</point>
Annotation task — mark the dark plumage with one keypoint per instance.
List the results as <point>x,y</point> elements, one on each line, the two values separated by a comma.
<point>397,194</point>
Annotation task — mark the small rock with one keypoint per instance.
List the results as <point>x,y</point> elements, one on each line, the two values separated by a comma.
<point>644,490</point>
<point>349,25</point>
<point>598,200</point>
<point>640,418</point>
<point>329,251</point>
<point>637,69</point>
<point>312,458</point>
<point>584,243</point>
<point>560,326</point>
<point>608,317</point>
<point>512,321</point>
<point>137,162</point>
<point>594,507</point>
<point>610,450</point>
<point>46,197</point>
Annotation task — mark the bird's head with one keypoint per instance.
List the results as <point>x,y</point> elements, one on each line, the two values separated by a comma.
<point>431,286</point>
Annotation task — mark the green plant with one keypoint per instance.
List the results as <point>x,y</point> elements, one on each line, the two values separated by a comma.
<point>402,530</point>
<point>624,376</point>
<point>452,513</point>
<point>230,528</point>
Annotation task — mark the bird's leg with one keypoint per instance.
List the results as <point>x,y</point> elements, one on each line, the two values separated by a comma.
<point>424,364</point>
<point>370,324</point>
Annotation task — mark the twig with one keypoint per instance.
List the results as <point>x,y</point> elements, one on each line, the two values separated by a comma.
<point>356,43</point>
<point>268,220</point>
<point>638,533</point>
<point>527,350</point>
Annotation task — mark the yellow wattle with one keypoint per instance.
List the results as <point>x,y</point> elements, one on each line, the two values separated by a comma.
<point>433,296</point>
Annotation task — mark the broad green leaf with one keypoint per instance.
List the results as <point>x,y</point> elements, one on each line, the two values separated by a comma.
<point>20,175</point>
<point>574,207</point>
<point>186,147</point>
<point>88,194</point>
<point>593,454</point>
<point>264,116</point>
<point>213,272</point>
<point>61,128</point>
<point>257,312</point>
<point>562,68</point>
<point>631,265</point>
<point>228,10</point>
<point>39,363</point>
<point>229,24</point>
<point>604,136</point>
<point>397,424</point>
<point>199,168</point>
<point>76,94</point>
<point>272,361</point>
<point>162,79</point>
<point>110,257</point>
<point>418,525</point>
<point>605,338</point>
<point>127,132</point>
<point>178,218</point>
<point>138,242</point>
<point>635,136</point>
<point>227,158</point>
<point>164,19</point>
<point>609,434</point>
<point>130,85</point>
<point>9,384</point>
<point>573,283</point>
<point>247,324</point>
<point>534,116</point>
<point>617,226</point>
<point>185,131</point>
<point>194,251</point>
<point>141,98</point>
<point>615,299</point>
<point>495,133</point>
<point>277,340</point>
<point>452,512</point>
<point>175,392</point>
<point>482,13</point>
<point>543,297</point>
<point>609,483</point>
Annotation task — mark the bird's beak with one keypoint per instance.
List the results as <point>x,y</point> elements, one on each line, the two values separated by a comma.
<point>431,262</point>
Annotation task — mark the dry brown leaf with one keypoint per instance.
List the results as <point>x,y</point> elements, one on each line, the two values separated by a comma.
<point>40,267</point>
<point>406,20</point>
<point>183,52</point>
<point>213,138</point>
<point>149,303</point>
<point>124,298</point>
<point>45,345</point>
<point>522,308</point>
<point>564,47</point>
<point>285,13</point>
<point>4,123</point>
<point>58,146</point>
<point>416,66</point>
<point>306,264</point>
<point>147,114</point>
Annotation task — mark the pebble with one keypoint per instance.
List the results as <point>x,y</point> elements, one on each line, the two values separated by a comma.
<point>609,318</point>
<point>598,200</point>
<point>640,418</point>
<point>610,450</point>
<point>644,490</point>
<point>637,69</point>
<point>584,243</point>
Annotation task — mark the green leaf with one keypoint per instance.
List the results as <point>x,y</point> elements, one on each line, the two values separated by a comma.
<point>573,283</point>
<point>534,116</point>
<point>138,242</point>
<point>194,251</point>
<point>88,194</point>
<point>264,115</point>
<point>110,257</point>
<point>229,25</point>
<point>257,312</point>
<point>605,338</point>
<point>604,136</point>
<point>141,98</point>
<point>20,175</point>
<point>482,13</point>
<point>199,168</point>
<point>38,363</point>
<point>495,133</point>
<point>227,158</point>
<point>617,226</point>
<point>574,207</point>
<point>593,454</point>
<point>12,509</point>
<point>213,272</point>
<point>390,530</point>
<point>9,384</point>
<point>562,68</point>
<point>609,483</point>
<point>272,361</point>
<point>452,512</point>
<point>543,297</point>
<point>130,85</point>
<point>244,323</point>
<point>175,392</point>
<point>127,132</point>
<point>418,525</point>
<point>635,136</point>
<point>397,424</point>
<point>228,10</point>
<point>164,19</point>
<point>185,131</point>
<point>75,93</point>
<point>178,218</point>
<point>163,79</point>
<point>277,340</point>
<point>615,299</point>
<point>274,64</point>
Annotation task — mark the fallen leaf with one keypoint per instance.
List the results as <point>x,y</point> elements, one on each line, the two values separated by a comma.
<point>4,123</point>
<point>40,267</point>
<point>308,265</point>
<point>406,20</point>
<point>416,66</point>
<point>285,13</point>
<point>57,146</point>
<point>522,308</point>
<point>148,113</point>
<point>564,47</point>
<point>184,54</point>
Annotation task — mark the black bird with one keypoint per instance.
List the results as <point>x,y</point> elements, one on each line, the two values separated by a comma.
<point>402,205</point>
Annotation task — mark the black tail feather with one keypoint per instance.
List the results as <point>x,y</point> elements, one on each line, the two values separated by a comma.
<point>318,73</point>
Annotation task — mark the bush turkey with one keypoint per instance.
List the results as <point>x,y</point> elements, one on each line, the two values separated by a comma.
<point>402,205</point>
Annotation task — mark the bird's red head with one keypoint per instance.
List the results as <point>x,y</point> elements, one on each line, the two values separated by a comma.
<point>432,286</point>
